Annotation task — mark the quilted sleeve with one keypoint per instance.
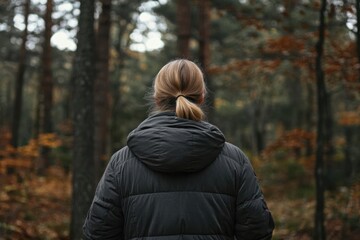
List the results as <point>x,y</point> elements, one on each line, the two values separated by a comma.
<point>253,219</point>
<point>105,218</point>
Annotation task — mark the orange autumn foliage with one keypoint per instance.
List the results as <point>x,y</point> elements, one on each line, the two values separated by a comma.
<point>23,157</point>
<point>284,44</point>
<point>292,143</point>
<point>349,118</point>
<point>293,140</point>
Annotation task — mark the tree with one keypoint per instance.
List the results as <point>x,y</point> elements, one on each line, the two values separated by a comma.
<point>183,19</point>
<point>358,32</point>
<point>20,79</point>
<point>83,159</point>
<point>47,81</point>
<point>321,103</point>
<point>46,86</point>
<point>102,98</point>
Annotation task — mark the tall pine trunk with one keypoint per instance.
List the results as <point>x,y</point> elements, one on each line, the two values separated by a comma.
<point>46,87</point>
<point>83,159</point>
<point>183,18</point>
<point>20,80</point>
<point>47,79</point>
<point>257,125</point>
<point>319,233</point>
<point>356,164</point>
<point>358,32</point>
<point>102,96</point>
<point>204,51</point>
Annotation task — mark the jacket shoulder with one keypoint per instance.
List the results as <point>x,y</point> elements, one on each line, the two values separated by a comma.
<point>120,157</point>
<point>234,153</point>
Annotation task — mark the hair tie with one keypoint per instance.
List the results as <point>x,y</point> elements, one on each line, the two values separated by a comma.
<point>180,96</point>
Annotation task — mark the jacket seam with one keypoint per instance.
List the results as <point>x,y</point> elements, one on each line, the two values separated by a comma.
<point>251,200</point>
<point>134,195</point>
<point>232,159</point>
<point>194,234</point>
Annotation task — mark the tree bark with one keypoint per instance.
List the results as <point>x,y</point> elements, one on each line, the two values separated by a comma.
<point>358,33</point>
<point>47,81</point>
<point>102,97</point>
<point>204,51</point>
<point>257,126</point>
<point>319,233</point>
<point>83,160</point>
<point>46,87</point>
<point>20,80</point>
<point>183,18</point>
<point>357,128</point>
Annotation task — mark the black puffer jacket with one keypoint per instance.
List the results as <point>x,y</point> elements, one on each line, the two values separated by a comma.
<point>178,179</point>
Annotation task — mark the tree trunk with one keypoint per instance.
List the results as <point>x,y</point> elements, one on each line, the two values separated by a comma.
<point>204,51</point>
<point>358,32</point>
<point>102,97</point>
<point>83,161</point>
<point>20,80</point>
<point>183,18</point>
<point>46,87</point>
<point>257,126</point>
<point>47,81</point>
<point>321,98</point>
<point>357,128</point>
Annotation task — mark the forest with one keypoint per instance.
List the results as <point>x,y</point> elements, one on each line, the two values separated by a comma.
<point>283,81</point>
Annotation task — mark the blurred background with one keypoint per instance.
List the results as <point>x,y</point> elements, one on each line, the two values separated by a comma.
<point>284,86</point>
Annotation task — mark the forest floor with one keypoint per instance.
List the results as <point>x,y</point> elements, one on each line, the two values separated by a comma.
<point>34,207</point>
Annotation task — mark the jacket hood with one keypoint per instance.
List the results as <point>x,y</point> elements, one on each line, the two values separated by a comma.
<point>166,143</point>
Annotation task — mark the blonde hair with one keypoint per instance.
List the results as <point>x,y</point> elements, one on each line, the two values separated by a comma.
<point>180,85</point>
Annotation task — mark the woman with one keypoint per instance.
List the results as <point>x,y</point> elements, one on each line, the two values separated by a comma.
<point>177,178</point>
